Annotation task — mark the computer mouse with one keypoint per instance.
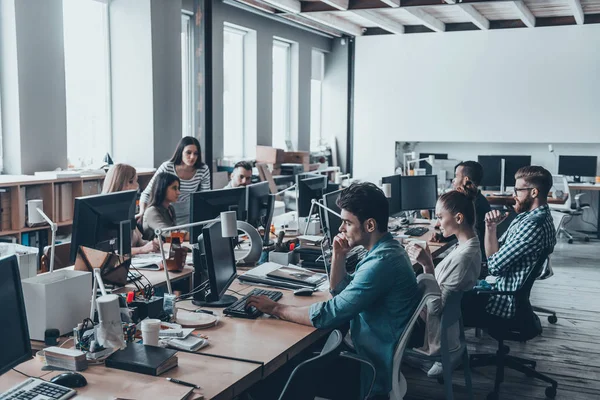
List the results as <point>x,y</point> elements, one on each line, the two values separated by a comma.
<point>304,292</point>
<point>70,380</point>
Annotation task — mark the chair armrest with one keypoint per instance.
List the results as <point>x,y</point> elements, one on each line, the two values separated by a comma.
<point>364,360</point>
<point>577,200</point>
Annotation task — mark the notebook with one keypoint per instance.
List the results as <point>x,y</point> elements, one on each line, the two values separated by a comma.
<point>142,359</point>
<point>297,275</point>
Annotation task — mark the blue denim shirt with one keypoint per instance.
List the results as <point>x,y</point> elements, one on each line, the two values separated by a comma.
<point>378,299</point>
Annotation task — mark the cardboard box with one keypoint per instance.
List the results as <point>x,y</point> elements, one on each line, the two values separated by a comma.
<point>58,300</point>
<point>269,155</point>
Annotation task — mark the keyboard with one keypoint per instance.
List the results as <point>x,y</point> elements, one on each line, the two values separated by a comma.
<point>416,231</point>
<point>238,309</point>
<point>37,389</point>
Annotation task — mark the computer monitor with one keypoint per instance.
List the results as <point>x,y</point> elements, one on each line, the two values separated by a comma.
<point>426,165</point>
<point>492,169</point>
<point>511,165</point>
<point>104,222</point>
<point>217,266</point>
<point>309,188</point>
<point>577,166</point>
<point>394,200</point>
<point>259,207</point>
<point>14,332</point>
<point>332,222</point>
<point>418,192</point>
<point>211,203</point>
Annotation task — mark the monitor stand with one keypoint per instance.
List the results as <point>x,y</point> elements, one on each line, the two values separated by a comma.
<point>224,301</point>
<point>577,179</point>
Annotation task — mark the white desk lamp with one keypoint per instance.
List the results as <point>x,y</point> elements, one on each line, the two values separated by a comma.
<point>430,160</point>
<point>54,228</point>
<point>110,332</point>
<point>412,155</point>
<point>339,178</point>
<point>285,190</point>
<point>228,229</point>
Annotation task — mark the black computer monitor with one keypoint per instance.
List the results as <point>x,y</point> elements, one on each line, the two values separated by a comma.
<point>394,200</point>
<point>511,165</point>
<point>418,192</point>
<point>210,204</point>
<point>309,188</point>
<point>259,207</point>
<point>426,165</point>
<point>217,265</point>
<point>14,332</point>
<point>492,169</point>
<point>332,222</point>
<point>104,222</point>
<point>577,166</point>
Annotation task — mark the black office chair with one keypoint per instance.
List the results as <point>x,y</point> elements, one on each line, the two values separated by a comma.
<point>524,326</point>
<point>308,377</point>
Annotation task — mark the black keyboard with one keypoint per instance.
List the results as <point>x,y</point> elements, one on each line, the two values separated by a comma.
<point>238,309</point>
<point>416,231</point>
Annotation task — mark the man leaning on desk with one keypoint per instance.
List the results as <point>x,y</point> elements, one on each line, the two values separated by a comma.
<point>378,299</point>
<point>241,175</point>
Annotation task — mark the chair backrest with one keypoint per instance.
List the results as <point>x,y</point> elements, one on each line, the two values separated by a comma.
<point>427,293</point>
<point>62,254</point>
<point>311,374</point>
<point>560,182</point>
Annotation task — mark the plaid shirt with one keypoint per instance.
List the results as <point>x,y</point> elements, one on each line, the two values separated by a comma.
<point>528,235</point>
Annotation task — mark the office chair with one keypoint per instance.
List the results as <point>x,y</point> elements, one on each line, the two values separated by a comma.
<point>451,315</point>
<point>309,376</point>
<point>62,254</point>
<point>571,208</point>
<point>525,325</point>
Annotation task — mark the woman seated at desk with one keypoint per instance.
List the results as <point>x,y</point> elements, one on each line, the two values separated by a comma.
<point>122,177</point>
<point>458,272</point>
<point>193,174</point>
<point>161,213</point>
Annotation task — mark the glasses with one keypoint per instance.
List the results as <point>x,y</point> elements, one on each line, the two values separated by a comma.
<point>517,190</point>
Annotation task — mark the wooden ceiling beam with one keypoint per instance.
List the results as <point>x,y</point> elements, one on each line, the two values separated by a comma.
<point>321,6</point>
<point>525,14</point>
<point>335,22</point>
<point>475,16</point>
<point>298,18</point>
<point>391,3</point>
<point>290,6</point>
<point>577,11</point>
<point>341,5</point>
<point>427,19</point>
<point>382,21</point>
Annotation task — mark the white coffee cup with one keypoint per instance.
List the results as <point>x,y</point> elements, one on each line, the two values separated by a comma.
<point>150,329</point>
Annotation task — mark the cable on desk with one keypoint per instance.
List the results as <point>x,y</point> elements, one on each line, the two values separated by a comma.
<point>238,293</point>
<point>22,373</point>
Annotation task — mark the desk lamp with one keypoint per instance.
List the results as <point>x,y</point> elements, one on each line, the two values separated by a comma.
<point>54,228</point>
<point>228,229</point>
<point>430,160</point>
<point>339,178</point>
<point>412,155</point>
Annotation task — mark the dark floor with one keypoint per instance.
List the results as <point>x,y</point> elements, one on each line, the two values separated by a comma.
<point>568,351</point>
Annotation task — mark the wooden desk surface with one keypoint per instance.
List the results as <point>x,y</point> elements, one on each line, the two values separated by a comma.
<point>510,201</point>
<point>579,186</point>
<point>157,278</point>
<point>11,378</point>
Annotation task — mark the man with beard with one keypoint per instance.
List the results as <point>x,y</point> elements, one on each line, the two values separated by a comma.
<point>378,299</point>
<point>511,258</point>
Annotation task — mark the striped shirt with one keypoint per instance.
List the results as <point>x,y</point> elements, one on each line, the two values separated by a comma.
<point>199,182</point>
<point>529,235</point>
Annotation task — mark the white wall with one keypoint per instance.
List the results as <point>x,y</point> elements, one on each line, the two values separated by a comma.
<point>518,85</point>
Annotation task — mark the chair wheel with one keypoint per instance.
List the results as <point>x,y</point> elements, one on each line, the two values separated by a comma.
<point>552,319</point>
<point>492,396</point>
<point>570,241</point>
<point>551,392</point>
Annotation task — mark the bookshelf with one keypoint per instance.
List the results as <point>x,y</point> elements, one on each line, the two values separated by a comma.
<point>58,195</point>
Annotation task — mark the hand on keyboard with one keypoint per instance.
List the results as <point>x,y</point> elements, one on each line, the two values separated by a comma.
<point>254,304</point>
<point>261,303</point>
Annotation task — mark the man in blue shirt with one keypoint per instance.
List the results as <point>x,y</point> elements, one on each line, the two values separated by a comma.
<point>378,299</point>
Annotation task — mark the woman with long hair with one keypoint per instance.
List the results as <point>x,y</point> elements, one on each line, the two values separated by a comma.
<point>193,174</point>
<point>160,213</point>
<point>457,272</point>
<point>121,177</point>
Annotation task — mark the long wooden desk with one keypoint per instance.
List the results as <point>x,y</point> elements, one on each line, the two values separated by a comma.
<point>591,188</point>
<point>510,201</point>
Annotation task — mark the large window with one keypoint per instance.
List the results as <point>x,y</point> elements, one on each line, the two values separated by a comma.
<point>282,73</point>
<point>87,76</point>
<point>187,75</point>
<point>234,113</point>
<point>317,140</point>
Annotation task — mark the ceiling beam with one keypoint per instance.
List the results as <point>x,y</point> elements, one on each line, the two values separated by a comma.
<point>298,18</point>
<point>525,14</point>
<point>427,19</point>
<point>382,21</point>
<point>291,6</point>
<point>475,16</point>
<point>335,22</point>
<point>341,5</point>
<point>577,11</point>
<point>391,3</point>
<point>320,6</point>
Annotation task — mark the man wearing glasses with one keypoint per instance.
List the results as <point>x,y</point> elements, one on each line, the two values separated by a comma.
<point>513,256</point>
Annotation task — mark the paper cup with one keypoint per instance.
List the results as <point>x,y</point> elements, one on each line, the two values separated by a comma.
<point>150,329</point>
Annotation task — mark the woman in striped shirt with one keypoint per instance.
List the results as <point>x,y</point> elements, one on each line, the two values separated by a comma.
<point>193,174</point>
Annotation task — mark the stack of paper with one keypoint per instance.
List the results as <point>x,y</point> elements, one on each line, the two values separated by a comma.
<point>70,359</point>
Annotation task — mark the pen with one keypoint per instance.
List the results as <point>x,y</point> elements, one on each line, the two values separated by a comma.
<point>206,312</point>
<point>183,383</point>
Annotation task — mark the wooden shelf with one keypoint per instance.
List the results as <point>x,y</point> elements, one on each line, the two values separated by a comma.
<point>6,233</point>
<point>34,228</point>
<point>65,223</point>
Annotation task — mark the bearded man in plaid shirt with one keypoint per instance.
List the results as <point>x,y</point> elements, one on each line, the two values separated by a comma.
<point>511,258</point>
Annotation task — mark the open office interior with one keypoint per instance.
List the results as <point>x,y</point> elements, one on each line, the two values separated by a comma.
<point>166,160</point>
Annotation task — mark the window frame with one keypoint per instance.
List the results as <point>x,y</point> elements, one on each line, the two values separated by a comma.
<point>288,46</point>
<point>187,124</point>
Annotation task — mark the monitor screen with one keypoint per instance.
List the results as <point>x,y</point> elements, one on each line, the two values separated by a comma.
<point>220,260</point>
<point>577,165</point>
<point>332,222</point>
<point>491,171</point>
<point>211,203</point>
<point>511,165</point>
<point>99,220</point>
<point>418,192</point>
<point>14,332</point>
<point>308,189</point>
<point>394,200</point>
